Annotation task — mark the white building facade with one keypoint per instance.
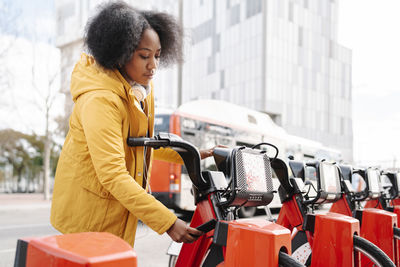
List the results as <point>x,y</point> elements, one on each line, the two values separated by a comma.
<point>281,57</point>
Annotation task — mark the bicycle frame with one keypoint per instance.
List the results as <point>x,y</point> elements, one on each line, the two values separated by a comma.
<point>250,232</point>
<point>294,215</point>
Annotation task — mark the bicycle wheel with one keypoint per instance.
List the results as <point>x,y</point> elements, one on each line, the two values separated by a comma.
<point>396,232</point>
<point>374,256</point>
<point>285,260</point>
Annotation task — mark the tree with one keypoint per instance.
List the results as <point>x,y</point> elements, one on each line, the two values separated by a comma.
<point>46,93</point>
<point>26,154</point>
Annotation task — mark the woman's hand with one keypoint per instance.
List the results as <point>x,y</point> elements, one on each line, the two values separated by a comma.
<point>180,232</point>
<point>205,153</point>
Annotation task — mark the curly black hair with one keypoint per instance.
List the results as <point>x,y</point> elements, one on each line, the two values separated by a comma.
<point>114,33</point>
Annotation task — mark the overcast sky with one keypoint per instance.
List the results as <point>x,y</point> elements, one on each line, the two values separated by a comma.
<point>371,29</point>
<point>368,27</point>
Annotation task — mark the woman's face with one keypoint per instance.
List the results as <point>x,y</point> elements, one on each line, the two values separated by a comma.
<point>144,62</point>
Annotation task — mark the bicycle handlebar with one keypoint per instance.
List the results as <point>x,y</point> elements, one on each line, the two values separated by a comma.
<point>189,154</point>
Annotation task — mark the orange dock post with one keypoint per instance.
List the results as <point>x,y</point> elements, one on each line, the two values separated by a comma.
<point>80,249</point>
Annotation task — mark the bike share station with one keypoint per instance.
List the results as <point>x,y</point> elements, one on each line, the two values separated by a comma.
<point>299,237</point>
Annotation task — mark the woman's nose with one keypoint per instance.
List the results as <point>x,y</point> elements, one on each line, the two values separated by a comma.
<point>153,64</point>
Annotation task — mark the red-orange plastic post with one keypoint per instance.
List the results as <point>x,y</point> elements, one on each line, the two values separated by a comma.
<point>255,242</point>
<point>377,227</point>
<point>80,249</point>
<point>333,240</point>
<point>396,210</point>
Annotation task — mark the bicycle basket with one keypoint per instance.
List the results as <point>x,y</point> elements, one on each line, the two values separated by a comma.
<point>251,178</point>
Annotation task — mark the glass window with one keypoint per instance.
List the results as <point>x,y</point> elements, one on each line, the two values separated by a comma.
<point>253,7</point>
<point>300,37</point>
<point>203,31</point>
<point>234,15</point>
<point>331,49</point>
<point>222,79</point>
<point>211,64</point>
<point>216,41</point>
<point>290,11</point>
<point>281,8</point>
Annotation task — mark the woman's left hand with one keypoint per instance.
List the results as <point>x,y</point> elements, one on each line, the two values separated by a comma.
<point>205,153</point>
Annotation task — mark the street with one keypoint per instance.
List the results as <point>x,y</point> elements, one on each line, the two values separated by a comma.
<point>28,215</point>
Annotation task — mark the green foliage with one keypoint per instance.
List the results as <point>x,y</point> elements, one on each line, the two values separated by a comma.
<point>25,153</point>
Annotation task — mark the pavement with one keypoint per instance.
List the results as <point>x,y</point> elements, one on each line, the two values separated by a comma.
<point>27,215</point>
<point>23,201</point>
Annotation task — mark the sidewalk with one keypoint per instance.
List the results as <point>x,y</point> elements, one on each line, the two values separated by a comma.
<point>21,201</point>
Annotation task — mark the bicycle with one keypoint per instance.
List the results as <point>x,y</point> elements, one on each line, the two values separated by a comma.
<point>228,241</point>
<point>377,225</point>
<point>390,200</point>
<point>329,239</point>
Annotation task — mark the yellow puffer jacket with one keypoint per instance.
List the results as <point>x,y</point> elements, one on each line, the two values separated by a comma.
<point>99,180</point>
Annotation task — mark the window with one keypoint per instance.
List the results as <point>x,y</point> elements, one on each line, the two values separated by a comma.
<point>253,7</point>
<point>331,49</point>
<point>203,31</point>
<point>222,79</point>
<point>234,15</point>
<point>300,38</point>
<point>216,40</point>
<point>211,64</point>
<point>290,15</point>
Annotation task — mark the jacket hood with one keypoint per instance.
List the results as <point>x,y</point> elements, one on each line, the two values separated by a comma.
<point>89,76</point>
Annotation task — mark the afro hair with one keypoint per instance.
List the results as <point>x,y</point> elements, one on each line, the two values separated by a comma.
<point>113,34</point>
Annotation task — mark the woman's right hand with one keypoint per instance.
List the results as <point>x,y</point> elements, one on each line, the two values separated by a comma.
<point>180,232</point>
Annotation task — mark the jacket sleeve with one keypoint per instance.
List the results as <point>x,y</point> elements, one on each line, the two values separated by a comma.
<point>167,154</point>
<point>101,120</point>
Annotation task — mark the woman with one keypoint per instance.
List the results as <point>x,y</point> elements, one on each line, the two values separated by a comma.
<point>101,183</point>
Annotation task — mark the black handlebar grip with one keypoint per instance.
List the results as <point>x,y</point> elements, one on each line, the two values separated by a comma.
<point>137,141</point>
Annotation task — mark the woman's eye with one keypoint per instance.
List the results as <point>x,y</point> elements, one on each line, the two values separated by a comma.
<point>144,57</point>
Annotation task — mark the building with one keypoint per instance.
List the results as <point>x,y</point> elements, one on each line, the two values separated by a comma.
<point>276,56</point>
<point>281,57</point>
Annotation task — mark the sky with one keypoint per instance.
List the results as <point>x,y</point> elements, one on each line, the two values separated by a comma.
<point>368,27</point>
<point>29,41</point>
